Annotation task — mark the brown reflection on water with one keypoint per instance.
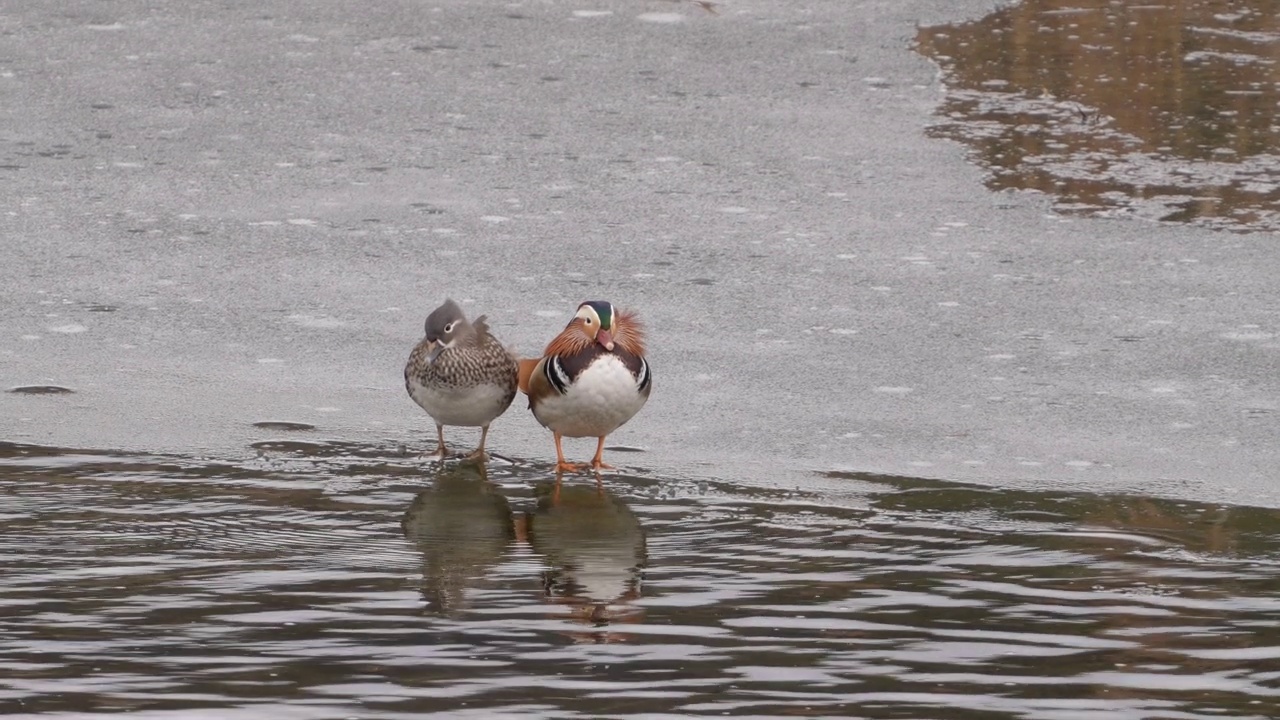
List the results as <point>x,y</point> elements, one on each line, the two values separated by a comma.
<point>463,526</point>
<point>1160,110</point>
<point>592,542</point>
<point>595,547</point>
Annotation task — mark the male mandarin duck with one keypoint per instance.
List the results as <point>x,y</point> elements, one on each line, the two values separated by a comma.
<point>591,379</point>
<point>460,374</point>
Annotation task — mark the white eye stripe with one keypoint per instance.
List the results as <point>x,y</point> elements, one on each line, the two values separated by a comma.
<point>449,328</point>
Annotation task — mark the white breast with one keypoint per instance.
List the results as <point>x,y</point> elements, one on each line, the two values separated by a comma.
<point>470,406</point>
<point>604,397</point>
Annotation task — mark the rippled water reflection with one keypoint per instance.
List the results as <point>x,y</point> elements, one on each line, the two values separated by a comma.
<point>1164,110</point>
<point>329,581</point>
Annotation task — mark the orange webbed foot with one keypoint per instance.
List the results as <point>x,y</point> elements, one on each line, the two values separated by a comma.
<point>597,462</point>
<point>562,465</point>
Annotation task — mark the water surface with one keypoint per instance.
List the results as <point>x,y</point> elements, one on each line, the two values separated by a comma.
<point>330,580</point>
<point>1166,110</point>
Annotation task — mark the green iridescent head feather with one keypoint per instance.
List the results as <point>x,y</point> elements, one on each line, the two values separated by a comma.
<point>603,310</point>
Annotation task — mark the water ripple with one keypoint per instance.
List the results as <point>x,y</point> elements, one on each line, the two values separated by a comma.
<point>322,581</point>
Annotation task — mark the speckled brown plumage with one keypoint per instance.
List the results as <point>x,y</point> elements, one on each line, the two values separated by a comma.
<point>460,373</point>
<point>477,359</point>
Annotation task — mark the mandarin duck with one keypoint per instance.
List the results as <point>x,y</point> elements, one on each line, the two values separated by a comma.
<point>591,379</point>
<point>460,374</point>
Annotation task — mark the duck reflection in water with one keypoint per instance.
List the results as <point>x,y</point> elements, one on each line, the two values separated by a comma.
<point>595,547</point>
<point>463,526</point>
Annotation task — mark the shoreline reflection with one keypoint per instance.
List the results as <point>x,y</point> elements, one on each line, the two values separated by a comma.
<point>1164,112</point>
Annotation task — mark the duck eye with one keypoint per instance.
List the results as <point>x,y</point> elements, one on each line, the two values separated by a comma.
<point>449,328</point>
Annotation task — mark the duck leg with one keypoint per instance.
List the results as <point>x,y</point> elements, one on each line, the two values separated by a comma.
<point>597,462</point>
<point>440,451</point>
<point>478,455</point>
<point>561,464</point>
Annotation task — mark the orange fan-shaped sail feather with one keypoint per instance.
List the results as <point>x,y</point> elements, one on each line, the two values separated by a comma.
<point>527,366</point>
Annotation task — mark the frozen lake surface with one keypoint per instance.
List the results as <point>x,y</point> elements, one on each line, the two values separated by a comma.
<point>915,448</point>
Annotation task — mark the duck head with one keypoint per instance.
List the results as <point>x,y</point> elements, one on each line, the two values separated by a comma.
<point>597,318</point>
<point>444,327</point>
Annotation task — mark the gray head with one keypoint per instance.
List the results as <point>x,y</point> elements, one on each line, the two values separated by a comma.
<point>446,324</point>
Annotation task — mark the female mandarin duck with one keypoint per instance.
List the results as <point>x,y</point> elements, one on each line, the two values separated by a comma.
<point>460,374</point>
<point>591,379</point>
